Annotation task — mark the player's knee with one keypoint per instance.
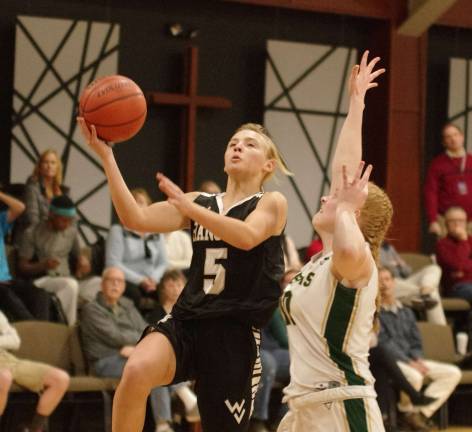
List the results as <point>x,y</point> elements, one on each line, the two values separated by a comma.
<point>135,375</point>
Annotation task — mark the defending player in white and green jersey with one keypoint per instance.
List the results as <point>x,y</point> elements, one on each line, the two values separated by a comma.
<point>330,305</point>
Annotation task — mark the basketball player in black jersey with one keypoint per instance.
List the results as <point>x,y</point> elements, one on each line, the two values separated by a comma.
<point>212,335</point>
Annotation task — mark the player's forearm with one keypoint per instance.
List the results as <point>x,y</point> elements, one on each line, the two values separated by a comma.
<point>348,240</point>
<point>349,146</point>
<point>233,231</point>
<point>128,211</point>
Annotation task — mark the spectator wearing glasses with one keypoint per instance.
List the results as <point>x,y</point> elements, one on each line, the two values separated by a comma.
<point>111,327</point>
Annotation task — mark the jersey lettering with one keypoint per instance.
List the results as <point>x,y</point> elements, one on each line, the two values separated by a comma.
<point>214,270</point>
<point>200,233</point>
<point>303,279</point>
<point>308,279</point>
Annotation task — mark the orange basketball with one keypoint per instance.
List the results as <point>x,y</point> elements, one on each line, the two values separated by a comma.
<point>115,105</point>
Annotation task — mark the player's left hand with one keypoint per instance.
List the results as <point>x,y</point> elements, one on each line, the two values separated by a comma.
<point>175,195</point>
<point>363,76</point>
<point>354,194</point>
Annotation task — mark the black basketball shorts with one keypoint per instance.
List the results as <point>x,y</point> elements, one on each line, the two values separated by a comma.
<point>222,356</point>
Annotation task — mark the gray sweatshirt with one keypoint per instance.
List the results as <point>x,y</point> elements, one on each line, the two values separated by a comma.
<point>105,329</point>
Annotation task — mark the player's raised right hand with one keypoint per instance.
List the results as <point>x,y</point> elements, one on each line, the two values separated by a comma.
<point>100,147</point>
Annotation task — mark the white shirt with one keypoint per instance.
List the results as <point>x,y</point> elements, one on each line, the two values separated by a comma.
<point>179,249</point>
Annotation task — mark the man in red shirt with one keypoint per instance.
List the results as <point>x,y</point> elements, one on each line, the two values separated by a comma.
<point>454,255</point>
<point>449,179</point>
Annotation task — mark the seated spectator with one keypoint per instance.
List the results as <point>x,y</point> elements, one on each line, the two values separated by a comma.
<point>111,327</point>
<point>141,256</point>
<point>209,186</point>
<point>454,255</point>
<point>399,334</point>
<point>49,382</point>
<point>41,187</point>
<point>275,360</point>
<point>46,251</point>
<point>171,285</point>
<point>20,300</point>
<point>388,377</point>
<point>418,288</point>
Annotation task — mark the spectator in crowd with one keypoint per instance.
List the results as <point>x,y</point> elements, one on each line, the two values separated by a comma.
<point>418,288</point>
<point>389,379</point>
<point>275,360</point>
<point>49,382</point>
<point>171,285</point>
<point>454,255</point>
<point>47,250</point>
<point>209,186</point>
<point>141,256</point>
<point>20,300</point>
<point>449,179</point>
<point>111,327</point>
<point>399,334</point>
<point>41,187</point>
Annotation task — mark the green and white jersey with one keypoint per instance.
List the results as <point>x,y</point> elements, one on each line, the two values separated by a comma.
<point>329,328</point>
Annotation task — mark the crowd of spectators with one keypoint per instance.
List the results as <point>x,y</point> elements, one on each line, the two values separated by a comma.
<point>144,273</point>
<point>52,279</point>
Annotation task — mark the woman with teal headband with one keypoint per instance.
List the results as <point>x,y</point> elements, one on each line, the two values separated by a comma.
<point>45,252</point>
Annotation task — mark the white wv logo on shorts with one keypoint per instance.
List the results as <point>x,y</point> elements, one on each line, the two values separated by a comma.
<point>237,409</point>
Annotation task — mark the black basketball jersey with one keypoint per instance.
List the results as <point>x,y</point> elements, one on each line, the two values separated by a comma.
<point>226,281</point>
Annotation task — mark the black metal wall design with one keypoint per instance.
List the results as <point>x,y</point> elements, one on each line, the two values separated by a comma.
<point>54,60</point>
<point>306,102</point>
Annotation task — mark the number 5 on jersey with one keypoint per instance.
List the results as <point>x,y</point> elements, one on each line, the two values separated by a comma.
<point>214,271</point>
